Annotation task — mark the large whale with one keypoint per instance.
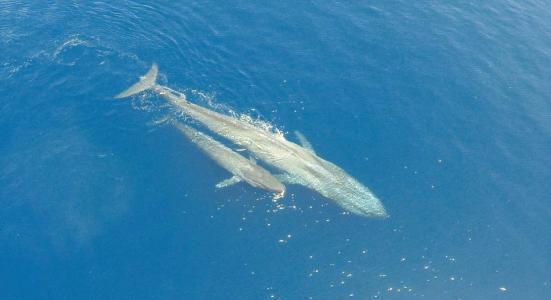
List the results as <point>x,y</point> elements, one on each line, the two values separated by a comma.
<point>299,165</point>
<point>241,168</point>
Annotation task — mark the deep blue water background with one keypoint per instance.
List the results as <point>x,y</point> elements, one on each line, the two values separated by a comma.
<point>442,108</point>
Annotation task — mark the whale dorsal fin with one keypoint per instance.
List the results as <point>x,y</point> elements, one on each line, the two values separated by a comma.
<point>228,182</point>
<point>304,142</point>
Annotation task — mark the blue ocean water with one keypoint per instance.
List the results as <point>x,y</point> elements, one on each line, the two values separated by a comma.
<point>442,108</point>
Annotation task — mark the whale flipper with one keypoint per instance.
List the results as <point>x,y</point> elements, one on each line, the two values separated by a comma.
<point>228,182</point>
<point>304,142</point>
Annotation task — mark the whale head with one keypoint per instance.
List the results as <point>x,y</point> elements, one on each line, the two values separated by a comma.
<point>335,184</point>
<point>262,179</point>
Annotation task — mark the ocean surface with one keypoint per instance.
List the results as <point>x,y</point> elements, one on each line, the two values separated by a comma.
<point>441,108</point>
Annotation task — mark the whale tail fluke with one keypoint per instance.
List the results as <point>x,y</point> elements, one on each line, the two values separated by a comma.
<point>146,82</point>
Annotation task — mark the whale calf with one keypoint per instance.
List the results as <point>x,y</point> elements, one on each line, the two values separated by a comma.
<point>297,164</point>
<point>243,169</point>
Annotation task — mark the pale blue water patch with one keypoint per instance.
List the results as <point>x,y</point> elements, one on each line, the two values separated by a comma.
<point>441,108</point>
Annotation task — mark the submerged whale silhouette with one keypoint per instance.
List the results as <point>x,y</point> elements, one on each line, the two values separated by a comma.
<point>299,165</point>
<point>242,168</point>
